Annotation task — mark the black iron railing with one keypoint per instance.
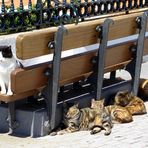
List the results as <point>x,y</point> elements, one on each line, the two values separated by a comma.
<point>53,12</point>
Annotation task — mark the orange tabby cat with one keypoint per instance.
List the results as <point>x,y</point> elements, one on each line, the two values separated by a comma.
<point>133,103</point>
<point>118,114</point>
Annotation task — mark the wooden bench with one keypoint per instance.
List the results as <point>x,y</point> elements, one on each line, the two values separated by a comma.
<point>34,44</point>
<point>27,81</point>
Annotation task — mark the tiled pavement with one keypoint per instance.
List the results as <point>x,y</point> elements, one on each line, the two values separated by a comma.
<point>129,135</point>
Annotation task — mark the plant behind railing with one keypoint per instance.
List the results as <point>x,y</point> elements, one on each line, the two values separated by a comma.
<point>52,13</point>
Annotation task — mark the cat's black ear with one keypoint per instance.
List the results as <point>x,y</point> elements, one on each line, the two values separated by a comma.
<point>9,49</point>
<point>7,52</point>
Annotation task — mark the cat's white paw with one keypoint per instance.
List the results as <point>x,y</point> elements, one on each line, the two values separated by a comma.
<point>3,92</point>
<point>62,132</point>
<point>9,93</point>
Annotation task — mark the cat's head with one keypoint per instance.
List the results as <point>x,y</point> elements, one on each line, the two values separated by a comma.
<point>72,111</point>
<point>123,98</point>
<point>97,104</point>
<point>5,52</point>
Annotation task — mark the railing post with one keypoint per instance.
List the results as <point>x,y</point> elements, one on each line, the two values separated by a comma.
<point>30,5</point>
<point>12,6</point>
<point>21,5</point>
<point>3,6</point>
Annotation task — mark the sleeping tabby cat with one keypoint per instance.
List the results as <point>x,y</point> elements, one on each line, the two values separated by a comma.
<point>76,119</point>
<point>118,114</point>
<point>133,103</point>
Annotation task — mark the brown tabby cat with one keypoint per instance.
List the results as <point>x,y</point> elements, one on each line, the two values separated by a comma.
<point>133,103</point>
<point>117,113</point>
<point>76,119</point>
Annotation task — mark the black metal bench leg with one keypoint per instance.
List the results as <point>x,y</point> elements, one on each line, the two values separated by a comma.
<point>12,117</point>
<point>135,67</point>
<point>104,29</point>
<point>113,75</point>
<point>51,92</point>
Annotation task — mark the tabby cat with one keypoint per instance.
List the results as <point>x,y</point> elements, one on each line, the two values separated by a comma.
<point>76,119</point>
<point>134,104</point>
<point>117,113</point>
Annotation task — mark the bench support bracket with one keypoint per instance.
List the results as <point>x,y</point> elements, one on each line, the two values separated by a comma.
<point>103,30</point>
<point>13,124</point>
<point>50,93</point>
<point>135,66</point>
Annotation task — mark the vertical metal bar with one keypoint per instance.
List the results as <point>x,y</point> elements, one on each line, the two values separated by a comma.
<point>56,3</point>
<point>11,117</point>
<point>30,5</point>
<point>113,75</point>
<point>142,24</point>
<point>40,8</point>
<point>48,3</point>
<point>51,92</point>
<point>64,2</point>
<point>104,29</point>
<point>12,6</point>
<point>21,5</point>
<point>3,6</point>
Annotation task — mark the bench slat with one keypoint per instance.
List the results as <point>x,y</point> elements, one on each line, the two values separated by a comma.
<point>16,97</point>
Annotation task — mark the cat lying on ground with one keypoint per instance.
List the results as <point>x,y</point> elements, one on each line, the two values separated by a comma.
<point>134,104</point>
<point>84,119</point>
<point>117,113</point>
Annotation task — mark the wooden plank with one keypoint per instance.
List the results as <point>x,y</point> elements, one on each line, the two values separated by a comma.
<point>15,97</point>
<point>33,44</point>
<point>26,80</point>
<point>146,47</point>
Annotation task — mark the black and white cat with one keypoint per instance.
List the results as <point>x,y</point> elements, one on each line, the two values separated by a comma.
<point>7,64</point>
